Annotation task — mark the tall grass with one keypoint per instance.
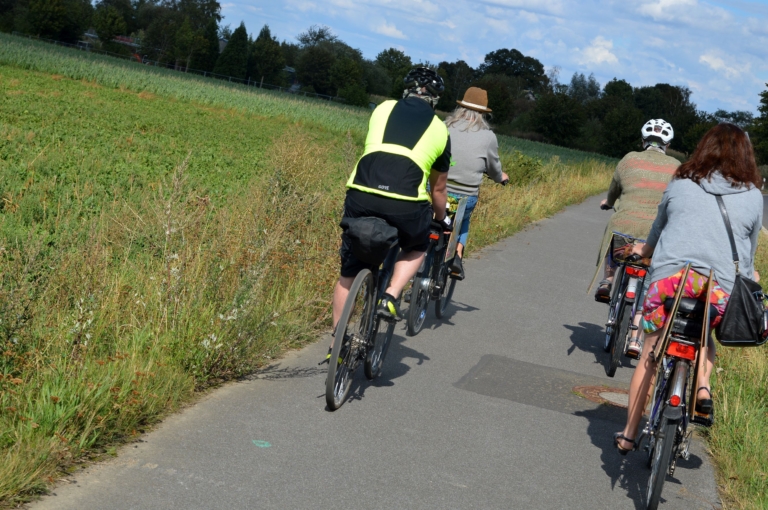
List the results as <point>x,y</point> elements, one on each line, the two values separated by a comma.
<point>739,438</point>
<point>146,255</point>
<point>122,323</point>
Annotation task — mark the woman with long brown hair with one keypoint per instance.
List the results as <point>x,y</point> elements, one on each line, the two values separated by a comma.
<point>689,228</point>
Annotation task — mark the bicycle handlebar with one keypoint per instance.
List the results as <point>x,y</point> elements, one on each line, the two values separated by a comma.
<point>606,207</point>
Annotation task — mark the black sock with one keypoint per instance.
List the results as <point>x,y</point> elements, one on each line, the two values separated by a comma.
<point>390,297</point>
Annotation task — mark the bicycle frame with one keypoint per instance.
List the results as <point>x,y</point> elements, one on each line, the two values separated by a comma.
<point>680,357</point>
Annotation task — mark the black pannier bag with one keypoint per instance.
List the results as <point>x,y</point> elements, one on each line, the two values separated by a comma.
<point>743,323</point>
<point>371,238</point>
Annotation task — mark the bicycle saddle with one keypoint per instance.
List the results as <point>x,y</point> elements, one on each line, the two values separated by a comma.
<point>690,306</point>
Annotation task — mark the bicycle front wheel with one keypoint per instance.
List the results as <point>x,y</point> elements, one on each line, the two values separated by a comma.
<point>419,302</point>
<point>661,460</point>
<point>351,333</point>
<point>447,285</point>
<point>374,359</point>
<point>619,338</point>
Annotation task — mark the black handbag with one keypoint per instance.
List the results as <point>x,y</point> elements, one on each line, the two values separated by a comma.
<point>743,323</point>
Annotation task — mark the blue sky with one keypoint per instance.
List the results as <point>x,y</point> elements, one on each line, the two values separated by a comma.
<point>719,49</point>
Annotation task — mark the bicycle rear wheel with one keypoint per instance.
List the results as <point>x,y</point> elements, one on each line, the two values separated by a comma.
<point>619,338</point>
<point>447,285</point>
<point>613,310</point>
<point>351,333</point>
<point>374,359</point>
<point>661,459</point>
<point>419,302</point>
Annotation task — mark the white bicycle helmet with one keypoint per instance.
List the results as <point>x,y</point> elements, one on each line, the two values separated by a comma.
<point>658,130</point>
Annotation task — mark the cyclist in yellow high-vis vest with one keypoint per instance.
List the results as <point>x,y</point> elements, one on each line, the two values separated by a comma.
<point>407,147</point>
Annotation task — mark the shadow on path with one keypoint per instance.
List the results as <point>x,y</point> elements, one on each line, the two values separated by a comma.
<point>630,473</point>
<point>394,367</point>
<point>590,338</point>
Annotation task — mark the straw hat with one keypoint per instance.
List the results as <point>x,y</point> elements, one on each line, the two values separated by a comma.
<point>475,99</point>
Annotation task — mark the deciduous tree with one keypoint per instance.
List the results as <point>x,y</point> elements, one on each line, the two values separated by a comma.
<point>621,130</point>
<point>513,63</point>
<point>558,117</point>
<point>760,129</point>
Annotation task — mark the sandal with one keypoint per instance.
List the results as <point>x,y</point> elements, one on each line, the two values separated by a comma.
<point>619,436</point>
<point>704,405</point>
<point>603,292</point>
<point>634,348</point>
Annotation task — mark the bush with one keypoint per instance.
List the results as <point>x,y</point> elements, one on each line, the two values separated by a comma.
<point>355,95</point>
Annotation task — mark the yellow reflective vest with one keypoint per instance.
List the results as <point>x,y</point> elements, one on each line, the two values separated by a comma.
<point>405,139</point>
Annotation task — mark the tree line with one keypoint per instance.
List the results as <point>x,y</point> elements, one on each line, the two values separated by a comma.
<point>527,100</point>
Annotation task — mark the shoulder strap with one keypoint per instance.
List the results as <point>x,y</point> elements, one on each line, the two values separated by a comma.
<point>727,222</point>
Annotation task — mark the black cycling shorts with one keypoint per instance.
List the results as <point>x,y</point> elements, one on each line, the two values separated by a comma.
<point>411,219</point>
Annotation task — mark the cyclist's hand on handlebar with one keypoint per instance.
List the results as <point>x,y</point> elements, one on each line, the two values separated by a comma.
<point>604,205</point>
<point>446,225</point>
<point>504,179</point>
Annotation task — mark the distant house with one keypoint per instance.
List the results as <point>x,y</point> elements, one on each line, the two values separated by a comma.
<point>293,82</point>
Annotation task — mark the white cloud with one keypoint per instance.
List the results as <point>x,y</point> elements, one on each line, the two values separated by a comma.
<point>552,7</point>
<point>718,64</point>
<point>660,10</point>
<point>599,52</point>
<point>499,25</point>
<point>388,30</point>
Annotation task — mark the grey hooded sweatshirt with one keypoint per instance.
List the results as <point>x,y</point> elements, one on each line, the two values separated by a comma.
<point>689,227</point>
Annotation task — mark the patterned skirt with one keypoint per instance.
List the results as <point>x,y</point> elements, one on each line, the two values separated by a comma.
<point>654,315</point>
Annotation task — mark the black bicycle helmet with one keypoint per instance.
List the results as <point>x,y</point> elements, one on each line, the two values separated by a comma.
<point>424,77</point>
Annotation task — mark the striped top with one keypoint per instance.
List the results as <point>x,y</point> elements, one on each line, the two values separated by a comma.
<point>636,190</point>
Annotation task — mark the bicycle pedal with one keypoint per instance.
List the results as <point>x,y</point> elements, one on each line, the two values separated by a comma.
<point>633,327</point>
<point>705,420</point>
<point>603,299</point>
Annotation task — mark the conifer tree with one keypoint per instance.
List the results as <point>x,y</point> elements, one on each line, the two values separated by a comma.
<point>233,61</point>
<point>267,60</point>
<point>205,59</point>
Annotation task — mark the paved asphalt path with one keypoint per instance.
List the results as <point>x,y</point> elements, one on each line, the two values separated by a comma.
<point>477,411</point>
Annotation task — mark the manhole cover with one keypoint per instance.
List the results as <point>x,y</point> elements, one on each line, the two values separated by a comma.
<point>602,395</point>
<point>619,399</point>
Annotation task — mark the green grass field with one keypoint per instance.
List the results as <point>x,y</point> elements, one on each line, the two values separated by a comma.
<point>160,233</point>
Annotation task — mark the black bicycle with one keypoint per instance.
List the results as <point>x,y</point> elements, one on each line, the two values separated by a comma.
<point>357,337</point>
<point>625,299</point>
<point>673,402</point>
<point>434,280</point>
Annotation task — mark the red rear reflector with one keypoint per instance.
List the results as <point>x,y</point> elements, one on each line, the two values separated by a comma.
<point>433,236</point>
<point>635,271</point>
<point>681,350</point>
<point>631,295</point>
<point>674,401</point>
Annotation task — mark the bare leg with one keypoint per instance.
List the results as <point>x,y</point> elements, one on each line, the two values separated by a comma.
<point>406,267</point>
<point>340,293</point>
<point>704,375</point>
<point>639,388</point>
<point>460,250</point>
<point>608,271</point>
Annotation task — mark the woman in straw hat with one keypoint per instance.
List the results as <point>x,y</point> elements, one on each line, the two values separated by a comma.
<point>475,151</point>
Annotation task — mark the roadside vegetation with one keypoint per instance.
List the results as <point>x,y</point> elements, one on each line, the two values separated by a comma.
<point>160,234</point>
<point>739,438</point>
